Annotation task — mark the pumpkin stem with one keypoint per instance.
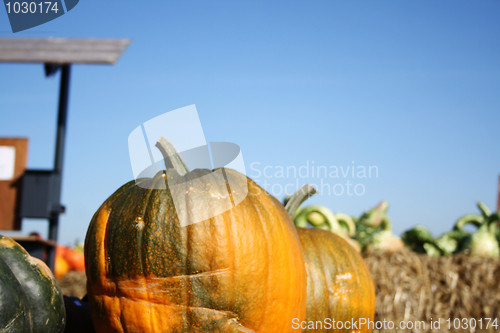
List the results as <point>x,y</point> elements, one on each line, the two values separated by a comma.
<point>299,197</point>
<point>171,156</point>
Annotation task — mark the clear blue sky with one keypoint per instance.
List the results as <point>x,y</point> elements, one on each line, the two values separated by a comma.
<point>411,87</point>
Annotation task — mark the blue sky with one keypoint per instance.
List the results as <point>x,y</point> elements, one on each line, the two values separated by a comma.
<point>408,87</point>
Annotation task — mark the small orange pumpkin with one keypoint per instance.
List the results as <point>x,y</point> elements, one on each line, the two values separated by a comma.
<point>61,267</point>
<point>75,259</point>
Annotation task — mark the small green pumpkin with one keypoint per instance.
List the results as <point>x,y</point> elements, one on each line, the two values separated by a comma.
<point>30,298</point>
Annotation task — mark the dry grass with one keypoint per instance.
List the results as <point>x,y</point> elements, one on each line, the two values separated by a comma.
<point>413,287</point>
<point>73,284</point>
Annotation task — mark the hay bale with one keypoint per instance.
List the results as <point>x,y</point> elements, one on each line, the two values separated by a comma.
<point>73,284</point>
<point>416,287</point>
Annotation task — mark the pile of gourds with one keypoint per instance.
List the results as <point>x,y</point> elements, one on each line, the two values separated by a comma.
<point>323,218</point>
<point>374,231</point>
<point>246,269</point>
<point>371,232</point>
<point>483,242</point>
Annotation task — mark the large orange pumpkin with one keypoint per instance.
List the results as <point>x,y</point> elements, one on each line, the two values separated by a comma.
<point>241,271</point>
<point>339,285</point>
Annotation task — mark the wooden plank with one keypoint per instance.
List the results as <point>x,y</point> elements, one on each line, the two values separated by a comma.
<point>9,188</point>
<point>62,50</point>
<point>33,239</point>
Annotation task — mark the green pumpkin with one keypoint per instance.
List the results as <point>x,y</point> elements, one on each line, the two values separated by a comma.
<point>30,298</point>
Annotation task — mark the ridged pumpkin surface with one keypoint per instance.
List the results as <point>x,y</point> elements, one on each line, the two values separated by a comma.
<point>30,298</point>
<point>339,285</point>
<point>241,271</point>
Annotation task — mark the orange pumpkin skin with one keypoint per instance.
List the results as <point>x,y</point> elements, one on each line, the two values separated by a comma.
<point>61,251</point>
<point>61,267</point>
<point>339,285</point>
<point>241,271</point>
<point>75,260</point>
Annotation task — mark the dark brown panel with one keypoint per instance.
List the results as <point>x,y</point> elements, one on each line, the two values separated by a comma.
<point>9,188</point>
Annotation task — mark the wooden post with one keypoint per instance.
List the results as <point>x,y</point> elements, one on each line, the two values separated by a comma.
<point>58,163</point>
